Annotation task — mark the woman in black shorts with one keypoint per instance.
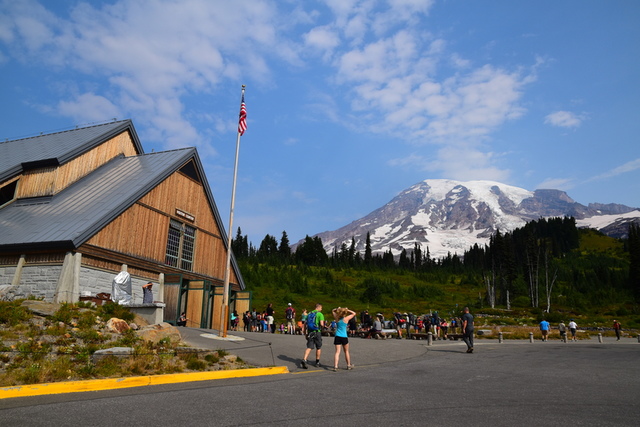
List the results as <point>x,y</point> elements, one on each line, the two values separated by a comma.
<point>341,340</point>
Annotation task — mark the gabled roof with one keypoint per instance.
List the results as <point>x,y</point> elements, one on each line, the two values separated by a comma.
<point>58,148</point>
<point>71,217</point>
<point>68,219</point>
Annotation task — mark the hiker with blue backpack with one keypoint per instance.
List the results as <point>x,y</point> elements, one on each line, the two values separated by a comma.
<point>315,323</point>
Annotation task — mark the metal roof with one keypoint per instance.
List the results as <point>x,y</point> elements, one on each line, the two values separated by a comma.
<point>58,148</point>
<point>72,216</point>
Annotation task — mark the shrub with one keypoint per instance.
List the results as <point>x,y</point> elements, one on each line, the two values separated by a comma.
<point>196,364</point>
<point>212,358</point>
<point>111,309</point>
<point>12,313</point>
<point>65,314</point>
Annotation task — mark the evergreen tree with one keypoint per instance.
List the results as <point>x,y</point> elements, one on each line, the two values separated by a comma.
<point>285,249</point>
<point>417,255</point>
<point>352,252</point>
<point>239,245</point>
<point>368,255</point>
<point>403,261</point>
<point>268,248</point>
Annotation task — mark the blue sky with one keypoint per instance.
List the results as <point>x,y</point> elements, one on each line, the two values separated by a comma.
<point>349,102</point>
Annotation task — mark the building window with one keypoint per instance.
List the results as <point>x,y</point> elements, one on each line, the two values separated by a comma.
<point>8,192</point>
<point>180,245</point>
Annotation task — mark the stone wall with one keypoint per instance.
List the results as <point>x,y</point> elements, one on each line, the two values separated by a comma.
<point>40,281</point>
<point>93,281</point>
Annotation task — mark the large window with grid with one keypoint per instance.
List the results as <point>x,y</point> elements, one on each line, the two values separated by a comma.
<point>180,245</point>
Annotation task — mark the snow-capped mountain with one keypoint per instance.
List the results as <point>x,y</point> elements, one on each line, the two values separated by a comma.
<point>450,216</point>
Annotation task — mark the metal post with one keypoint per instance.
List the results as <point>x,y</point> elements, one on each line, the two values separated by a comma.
<point>500,337</point>
<point>531,337</point>
<point>224,313</point>
<point>599,337</point>
<point>430,338</point>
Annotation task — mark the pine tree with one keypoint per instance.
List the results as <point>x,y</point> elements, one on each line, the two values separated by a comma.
<point>285,249</point>
<point>368,255</point>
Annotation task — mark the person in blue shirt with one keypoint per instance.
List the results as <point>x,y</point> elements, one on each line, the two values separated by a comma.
<point>342,315</point>
<point>544,329</point>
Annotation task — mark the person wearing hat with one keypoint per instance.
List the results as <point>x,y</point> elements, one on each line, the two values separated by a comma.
<point>290,314</point>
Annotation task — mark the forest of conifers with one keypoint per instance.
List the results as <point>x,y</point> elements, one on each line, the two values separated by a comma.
<point>548,266</point>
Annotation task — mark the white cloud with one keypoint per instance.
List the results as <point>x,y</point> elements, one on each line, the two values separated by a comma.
<point>565,119</point>
<point>324,39</point>
<point>556,184</point>
<point>456,162</point>
<point>89,107</point>
<point>151,54</point>
<point>625,168</point>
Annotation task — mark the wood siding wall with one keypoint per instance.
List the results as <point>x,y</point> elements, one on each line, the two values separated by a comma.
<point>51,180</point>
<point>141,231</point>
<point>35,258</point>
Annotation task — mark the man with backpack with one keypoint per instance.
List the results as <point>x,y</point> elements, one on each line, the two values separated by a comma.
<point>290,314</point>
<point>315,323</point>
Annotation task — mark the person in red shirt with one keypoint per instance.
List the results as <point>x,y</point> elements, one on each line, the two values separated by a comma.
<point>617,327</point>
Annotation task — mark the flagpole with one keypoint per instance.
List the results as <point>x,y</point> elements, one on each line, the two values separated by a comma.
<point>227,273</point>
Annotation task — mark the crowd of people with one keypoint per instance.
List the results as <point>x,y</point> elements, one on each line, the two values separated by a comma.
<point>399,324</point>
<point>363,324</point>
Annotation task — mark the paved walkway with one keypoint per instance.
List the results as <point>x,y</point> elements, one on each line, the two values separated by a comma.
<point>265,349</point>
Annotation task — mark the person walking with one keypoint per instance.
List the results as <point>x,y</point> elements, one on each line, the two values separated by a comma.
<point>467,329</point>
<point>271,324</point>
<point>435,325</point>
<point>617,327</point>
<point>412,322</point>
<point>562,328</point>
<point>342,315</point>
<point>290,314</point>
<point>400,321</point>
<point>303,322</point>
<point>544,329</point>
<point>573,327</point>
<point>315,323</point>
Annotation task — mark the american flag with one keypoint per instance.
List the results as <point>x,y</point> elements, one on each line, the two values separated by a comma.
<point>242,123</point>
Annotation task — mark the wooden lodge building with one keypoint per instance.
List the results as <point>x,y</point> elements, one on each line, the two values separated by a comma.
<point>78,207</point>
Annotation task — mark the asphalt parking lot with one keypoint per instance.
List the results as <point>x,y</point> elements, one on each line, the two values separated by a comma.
<point>395,382</point>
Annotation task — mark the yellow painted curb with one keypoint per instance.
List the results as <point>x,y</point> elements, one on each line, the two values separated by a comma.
<point>115,383</point>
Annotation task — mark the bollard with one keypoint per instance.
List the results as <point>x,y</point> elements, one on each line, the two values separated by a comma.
<point>500,337</point>
<point>638,337</point>
<point>430,338</point>
<point>599,338</point>
<point>530,336</point>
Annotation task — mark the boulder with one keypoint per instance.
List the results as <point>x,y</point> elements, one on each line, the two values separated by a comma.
<point>41,308</point>
<point>117,325</point>
<point>140,321</point>
<point>155,333</point>
<point>120,352</point>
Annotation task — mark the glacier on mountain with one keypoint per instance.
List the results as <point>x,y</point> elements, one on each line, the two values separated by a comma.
<point>448,216</point>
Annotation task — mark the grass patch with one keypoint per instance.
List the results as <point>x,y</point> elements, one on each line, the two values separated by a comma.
<point>61,348</point>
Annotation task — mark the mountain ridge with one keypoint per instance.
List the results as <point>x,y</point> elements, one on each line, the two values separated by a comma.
<point>449,216</point>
